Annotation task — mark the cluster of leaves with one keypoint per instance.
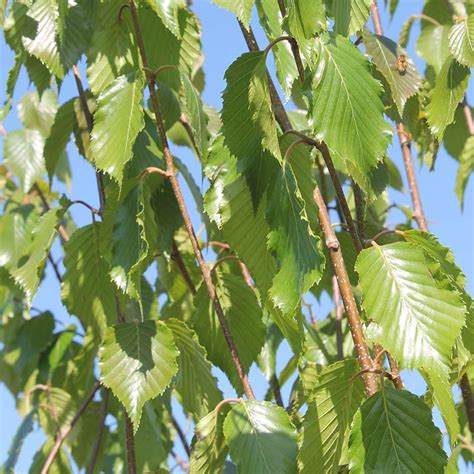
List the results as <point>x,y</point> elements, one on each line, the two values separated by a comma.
<point>152,346</point>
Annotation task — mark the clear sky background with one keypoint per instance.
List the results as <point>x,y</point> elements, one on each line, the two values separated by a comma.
<point>222,44</point>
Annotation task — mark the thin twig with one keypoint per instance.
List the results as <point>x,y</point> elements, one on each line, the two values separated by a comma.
<point>63,434</point>
<point>339,314</point>
<point>275,384</point>
<point>100,432</point>
<point>181,435</point>
<point>178,259</point>
<point>179,461</point>
<point>185,214</point>
<point>130,444</point>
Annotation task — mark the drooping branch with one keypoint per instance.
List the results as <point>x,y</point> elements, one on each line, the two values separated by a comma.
<point>100,432</point>
<point>130,445</point>
<point>64,433</point>
<point>332,244</point>
<point>181,435</point>
<point>170,168</point>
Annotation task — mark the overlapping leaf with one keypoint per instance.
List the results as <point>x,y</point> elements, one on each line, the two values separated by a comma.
<point>229,204</point>
<point>87,290</point>
<point>306,18</point>
<point>393,432</point>
<point>334,398</point>
<point>137,362</point>
<point>45,45</point>
<point>195,382</point>
<point>29,274</point>
<point>450,87</point>
<point>242,133</point>
<point>297,248</point>
<point>242,9</point>
<point>461,41</point>
<point>270,19</point>
<point>244,317</point>
<point>417,322</point>
<point>209,449</point>
<point>117,122</point>
<point>343,95</point>
<point>350,16</point>
<point>466,168</point>
<point>261,438</point>
<point>168,13</point>
<point>385,53</point>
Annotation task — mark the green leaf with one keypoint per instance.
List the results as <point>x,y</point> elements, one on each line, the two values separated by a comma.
<point>195,113</point>
<point>87,290</point>
<point>130,239</point>
<point>242,135</point>
<point>344,94</point>
<point>270,20</point>
<point>16,225</point>
<point>306,18</point>
<point>195,383</point>
<point>261,438</point>
<point>209,451</point>
<point>37,112</point>
<point>23,155</point>
<point>350,16</point>
<point>393,432</point>
<point>58,138</point>
<point>461,41</point>
<point>450,87</point>
<point>333,401</point>
<point>465,169</point>
<point>44,45</point>
<point>111,53</point>
<point>242,9</point>
<point>137,362</point>
<point>117,122</point>
<point>229,204</point>
<point>417,322</point>
<point>441,392</point>
<point>385,53</point>
<point>440,254</point>
<point>297,248</point>
<point>62,344</point>
<point>260,107</point>
<point>29,274</point>
<point>25,428</point>
<point>168,13</point>
<point>244,317</point>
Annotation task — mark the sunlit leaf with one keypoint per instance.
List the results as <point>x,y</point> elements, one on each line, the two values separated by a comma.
<point>137,362</point>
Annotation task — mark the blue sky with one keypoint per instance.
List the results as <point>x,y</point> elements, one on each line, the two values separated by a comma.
<point>223,42</point>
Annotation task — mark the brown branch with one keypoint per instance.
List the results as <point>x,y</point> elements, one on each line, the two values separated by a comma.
<point>57,273</point>
<point>63,434</point>
<point>348,299</point>
<point>130,444</point>
<point>185,214</point>
<point>100,432</point>
<point>398,382</point>
<point>339,314</point>
<point>178,258</point>
<point>181,435</point>
<point>418,213</point>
